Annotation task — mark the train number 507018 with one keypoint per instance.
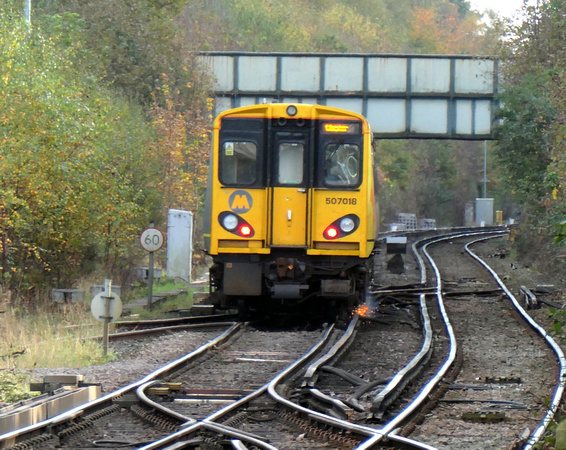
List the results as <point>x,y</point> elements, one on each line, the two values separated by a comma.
<point>340,201</point>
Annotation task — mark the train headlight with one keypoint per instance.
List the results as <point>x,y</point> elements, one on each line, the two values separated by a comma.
<point>230,222</point>
<point>292,110</point>
<point>342,227</point>
<point>347,224</point>
<point>235,224</point>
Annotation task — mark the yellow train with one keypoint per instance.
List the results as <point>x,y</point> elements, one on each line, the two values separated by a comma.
<point>291,215</point>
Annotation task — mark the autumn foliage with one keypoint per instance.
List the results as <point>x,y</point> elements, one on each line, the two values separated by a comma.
<point>82,170</point>
<point>447,33</point>
<point>373,26</point>
<point>182,146</point>
<point>105,115</point>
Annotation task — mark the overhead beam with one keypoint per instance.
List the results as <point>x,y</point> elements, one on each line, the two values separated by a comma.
<point>402,96</point>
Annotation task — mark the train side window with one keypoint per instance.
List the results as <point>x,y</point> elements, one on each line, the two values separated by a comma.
<point>342,165</point>
<point>291,156</point>
<point>238,162</point>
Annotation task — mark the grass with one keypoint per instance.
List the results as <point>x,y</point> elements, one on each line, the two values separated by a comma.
<point>59,335</point>
<point>45,338</point>
<point>161,309</point>
<point>50,338</point>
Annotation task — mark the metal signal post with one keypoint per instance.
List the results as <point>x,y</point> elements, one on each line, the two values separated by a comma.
<point>151,240</point>
<point>106,307</point>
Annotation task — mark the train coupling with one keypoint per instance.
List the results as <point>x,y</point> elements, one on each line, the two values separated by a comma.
<point>288,290</point>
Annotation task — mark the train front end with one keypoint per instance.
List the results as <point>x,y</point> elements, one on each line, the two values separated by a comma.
<point>291,208</point>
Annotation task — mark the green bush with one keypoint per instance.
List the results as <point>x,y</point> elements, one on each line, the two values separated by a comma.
<point>13,386</point>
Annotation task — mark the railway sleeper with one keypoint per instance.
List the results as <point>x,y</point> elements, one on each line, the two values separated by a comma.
<point>484,417</point>
<point>310,425</point>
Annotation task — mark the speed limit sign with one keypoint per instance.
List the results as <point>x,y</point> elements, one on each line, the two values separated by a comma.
<point>151,239</point>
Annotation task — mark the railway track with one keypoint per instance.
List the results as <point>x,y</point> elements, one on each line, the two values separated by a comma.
<point>498,373</point>
<point>407,374</point>
<point>50,433</point>
<point>129,329</point>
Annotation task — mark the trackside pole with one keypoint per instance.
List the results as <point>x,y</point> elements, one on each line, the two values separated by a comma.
<point>150,281</point>
<point>106,307</point>
<point>151,240</point>
<point>107,299</point>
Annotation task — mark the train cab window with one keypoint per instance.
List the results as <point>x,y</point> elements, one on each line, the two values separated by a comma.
<point>290,163</point>
<point>342,165</point>
<point>238,162</point>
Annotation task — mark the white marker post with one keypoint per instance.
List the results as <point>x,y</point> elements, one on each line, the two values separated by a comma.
<point>106,307</point>
<point>151,240</point>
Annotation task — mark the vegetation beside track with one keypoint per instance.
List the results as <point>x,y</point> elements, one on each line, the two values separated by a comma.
<point>59,335</point>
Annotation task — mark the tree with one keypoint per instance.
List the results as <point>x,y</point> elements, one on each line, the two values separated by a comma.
<point>445,30</point>
<point>533,98</point>
<point>182,146</point>
<point>132,43</point>
<point>74,178</point>
<point>521,148</point>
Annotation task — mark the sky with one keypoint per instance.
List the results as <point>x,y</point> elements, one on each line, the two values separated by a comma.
<point>504,8</point>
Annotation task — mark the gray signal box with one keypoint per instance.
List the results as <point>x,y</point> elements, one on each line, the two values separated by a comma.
<point>179,244</point>
<point>484,211</point>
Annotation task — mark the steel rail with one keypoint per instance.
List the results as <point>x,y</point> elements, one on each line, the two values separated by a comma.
<point>312,371</point>
<point>332,421</point>
<point>171,441</point>
<point>153,323</point>
<point>271,389</point>
<point>389,429</point>
<point>394,388</point>
<point>537,434</point>
<point>140,392</point>
<point>80,410</point>
<point>279,379</point>
<point>377,435</point>
<point>163,329</point>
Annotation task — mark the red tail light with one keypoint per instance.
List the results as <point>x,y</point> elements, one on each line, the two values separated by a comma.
<point>342,227</point>
<point>330,233</point>
<point>235,224</point>
<point>245,230</point>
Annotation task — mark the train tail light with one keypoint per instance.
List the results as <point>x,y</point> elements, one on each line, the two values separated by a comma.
<point>235,224</point>
<point>246,230</point>
<point>331,232</point>
<point>342,227</point>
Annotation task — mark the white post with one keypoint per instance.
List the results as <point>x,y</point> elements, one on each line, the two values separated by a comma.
<point>485,180</point>
<point>107,300</point>
<point>27,11</point>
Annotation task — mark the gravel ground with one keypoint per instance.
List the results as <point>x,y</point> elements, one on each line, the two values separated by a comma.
<point>495,345</point>
<point>140,357</point>
<point>145,355</point>
<point>519,274</point>
<point>135,359</point>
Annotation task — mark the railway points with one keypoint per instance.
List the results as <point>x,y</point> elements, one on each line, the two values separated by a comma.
<point>328,400</point>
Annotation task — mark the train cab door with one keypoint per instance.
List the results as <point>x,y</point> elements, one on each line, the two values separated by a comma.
<point>289,191</point>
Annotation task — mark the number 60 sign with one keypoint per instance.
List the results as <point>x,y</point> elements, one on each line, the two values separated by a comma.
<point>151,239</point>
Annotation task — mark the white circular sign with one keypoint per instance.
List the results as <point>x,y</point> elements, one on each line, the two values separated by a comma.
<point>151,239</point>
<point>98,307</point>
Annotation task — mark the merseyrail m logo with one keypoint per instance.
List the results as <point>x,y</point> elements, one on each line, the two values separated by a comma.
<point>240,201</point>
